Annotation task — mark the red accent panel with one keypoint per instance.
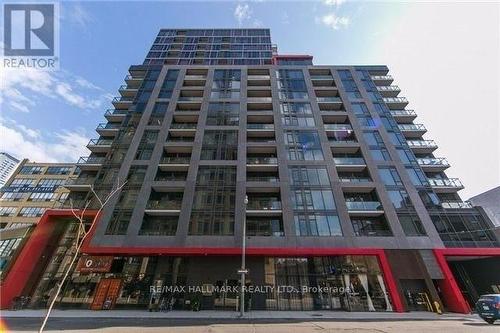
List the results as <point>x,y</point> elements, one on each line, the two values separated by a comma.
<point>390,283</point>
<point>454,299</point>
<point>19,274</point>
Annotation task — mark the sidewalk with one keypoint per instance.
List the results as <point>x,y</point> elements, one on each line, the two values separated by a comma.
<point>231,315</point>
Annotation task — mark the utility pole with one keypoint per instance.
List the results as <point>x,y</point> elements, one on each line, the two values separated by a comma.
<point>243,269</point>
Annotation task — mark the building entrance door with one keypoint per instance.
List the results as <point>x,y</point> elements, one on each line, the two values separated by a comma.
<point>106,294</point>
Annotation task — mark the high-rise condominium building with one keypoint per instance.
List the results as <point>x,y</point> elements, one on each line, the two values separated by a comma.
<point>348,204</point>
<point>7,165</point>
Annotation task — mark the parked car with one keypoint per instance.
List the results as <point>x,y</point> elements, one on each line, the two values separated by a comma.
<point>488,307</point>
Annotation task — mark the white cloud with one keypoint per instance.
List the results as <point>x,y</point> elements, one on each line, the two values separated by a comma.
<point>20,88</point>
<point>25,142</point>
<point>285,18</point>
<point>333,2</point>
<point>75,13</point>
<point>333,21</point>
<point>242,13</point>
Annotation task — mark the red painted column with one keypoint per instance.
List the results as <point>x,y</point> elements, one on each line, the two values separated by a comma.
<point>390,282</point>
<point>454,300</point>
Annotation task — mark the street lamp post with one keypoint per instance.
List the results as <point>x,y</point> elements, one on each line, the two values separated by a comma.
<point>243,270</point>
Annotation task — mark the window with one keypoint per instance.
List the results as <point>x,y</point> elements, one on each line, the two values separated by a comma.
<point>265,226</point>
<point>411,225</point>
<point>118,224</point>
<point>12,196</point>
<point>136,174</point>
<point>380,154</point>
<point>168,85</point>
<point>304,199</point>
<point>400,199</point>
<point>373,138</point>
<point>7,211</point>
<point>31,211</point>
<point>405,155</point>
<point>317,225</point>
<point>36,196</point>
<point>22,182</point>
<point>31,170</point>
<point>359,109</point>
<point>50,182</point>
<point>158,226</point>
<point>390,176</point>
<point>308,176</point>
<point>226,84</point>
<point>220,145</point>
<point>158,113</point>
<point>371,226</point>
<point>214,201</point>
<point>303,145</point>
<point>223,114</point>
<point>417,177</point>
<point>291,84</point>
<point>53,170</point>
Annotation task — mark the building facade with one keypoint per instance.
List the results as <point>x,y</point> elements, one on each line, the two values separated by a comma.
<point>7,166</point>
<point>28,193</point>
<point>348,205</point>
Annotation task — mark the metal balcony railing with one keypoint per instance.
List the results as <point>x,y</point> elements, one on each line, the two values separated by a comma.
<point>349,160</point>
<point>411,127</point>
<point>108,126</point>
<point>422,143</point>
<point>396,113</point>
<point>175,160</point>
<point>328,99</point>
<point>90,160</point>
<point>259,204</point>
<point>437,161</point>
<point>388,88</point>
<point>253,126</point>
<point>164,205</point>
<point>183,126</point>
<point>338,127</point>
<point>395,100</point>
<point>381,77</point>
<point>456,204</point>
<point>355,179</point>
<point>100,142</point>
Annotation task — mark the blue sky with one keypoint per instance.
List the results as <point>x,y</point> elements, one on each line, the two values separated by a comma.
<point>49,116</point>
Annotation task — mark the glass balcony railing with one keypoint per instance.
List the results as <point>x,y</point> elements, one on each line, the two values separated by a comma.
<point>100,142</point>
<point>264,179</point>
<point>448,182</point>
<point>124,87</point>
<point>388,88</point>
<point>107,126</point>
<point>259,204</point>
<point>80,181</point>
<point>122,99</point>
<point>262,160</point>
<point>260,126</point>
<point>175,160</point>
<point>259,99</point>
<point>355,179</point>
<point>190,99</point>
<point>381,77</point>
<point>183,126</point>
<point>258,77</point>
<point>338,127</point>
<point>395,100</point>
<point>195,77</point>
<point>113,112</point>
<point>437,161</point>
<point>328,100</point>
<point>456,204</point>
<point>402,113</point>
<point>90,160</point>
<point>321,77</point>
<point>363,205</point>
<point>349,160</point>
<point>421,143</point>
<point>180,139</point>
<point>130,77</point>
<point>411,127</point>
<point>164,205</point>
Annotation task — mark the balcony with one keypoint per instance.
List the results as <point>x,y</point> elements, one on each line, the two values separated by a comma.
<point>446,185</point>
<point>126,91</point>
<point>263,206</point>
<point>194,80</point>
<point>388,91</point>
<point>90,163</point>
<point>412,130</point>
<point>175,163</point>
<point>113,115</point>
<point>262,163</point>
<point>108,129</point>
<point>322,80</point>
<point>257,127</point>
<point>382,80</point>
<point>365,208</point>
<point>338,127</point>
<point>422,146</point>
<point>133,81</point>
<point>122,103</point>
<point>258,81</point>
<point>433,164</point>
<point>99,145</point>
<point>456,205</point>
<point>404,116</point>
<point>163,207</point>
<point>330,99</point>
<point>396,102</point>
<point>80,184</point>
<point>349,163</point>
<point>179,129</point>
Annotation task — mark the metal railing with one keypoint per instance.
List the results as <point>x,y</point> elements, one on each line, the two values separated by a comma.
<point>338,127</point>
<point>396,113</point>
<point>422,143</point>
<point>349,160</point>
<point>411,127</point>
<point>260,126</point>
<point>388,88</point>
<point>456,204</point>
<point>260,204</point>
<point>175,160</point>
<point>438,161</point>
<point>328,100</point>
<point>321,77</point>
<point>108,126</point>
<point>395,100</point>
<point>381,77</point>
<point>100,142</point>
<point>355,179</point>
<point>167,205</point>
<point>90,160</point>
<point>183,126</point>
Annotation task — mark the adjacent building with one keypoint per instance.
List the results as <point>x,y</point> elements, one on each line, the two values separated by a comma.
<point>349,204</point>
<point>7,165</point>
<point>32,189</point>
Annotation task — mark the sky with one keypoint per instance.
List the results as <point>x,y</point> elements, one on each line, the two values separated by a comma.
<point>445,57</point>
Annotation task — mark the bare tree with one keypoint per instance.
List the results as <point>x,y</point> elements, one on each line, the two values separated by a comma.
<point>81,235</point>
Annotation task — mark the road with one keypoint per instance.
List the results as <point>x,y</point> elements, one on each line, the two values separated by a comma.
<point>195,325</point>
